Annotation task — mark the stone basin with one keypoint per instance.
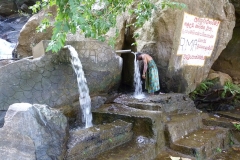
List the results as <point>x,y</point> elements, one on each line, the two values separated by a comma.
<point>169,103</point>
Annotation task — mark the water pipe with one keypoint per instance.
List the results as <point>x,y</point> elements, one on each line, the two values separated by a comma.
<point>123,51</point>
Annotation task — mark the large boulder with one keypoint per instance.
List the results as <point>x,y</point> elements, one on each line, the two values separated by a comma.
<point>7,7</point>
<point>161,38</point>
<point>29,37</point>
<point>222,78</point>
<point>33,132</point>
<point>51,80</point>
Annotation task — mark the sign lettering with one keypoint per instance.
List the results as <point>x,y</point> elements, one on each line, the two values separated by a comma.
<point>197,40</point>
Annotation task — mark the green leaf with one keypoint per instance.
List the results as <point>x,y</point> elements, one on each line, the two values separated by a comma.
<point>73,14</point>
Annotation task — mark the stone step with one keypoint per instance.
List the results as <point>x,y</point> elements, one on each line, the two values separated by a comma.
<point>232,114</point>
<point>85,143</point>
<point>139,118</point>
<point>202,143</point>
<point>182,124</point>
<point>145,123</point>
<point>133,150</point>
<point>169,154</point>
<point>169,103</point>
<point>231,154</point>
<point>215,120</point>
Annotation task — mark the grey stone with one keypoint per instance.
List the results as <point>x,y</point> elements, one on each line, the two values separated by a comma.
<point>33,132</point>
<point>97,101</point>
<point>16,146</point>
<point>86,143</point>
<point>50,79</point>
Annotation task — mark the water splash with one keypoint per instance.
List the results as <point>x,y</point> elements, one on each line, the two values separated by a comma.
<point>84,98</point>
<point>138,94</point>
<point>6,51</point>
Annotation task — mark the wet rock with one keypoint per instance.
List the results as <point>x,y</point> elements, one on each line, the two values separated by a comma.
<point>86,143</point>
<point>144,140</point>
<point>97,101</point>
<point>33,132</point>
<point>169,103</point>
<point>2,115</point>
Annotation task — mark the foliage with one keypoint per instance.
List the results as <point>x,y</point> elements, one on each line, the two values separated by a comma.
<point>219,150</point>
<point>211,96</point>
<point>202,88</point>
<point>230,87</point>
<point>94,18</point>
<point>237,126</point>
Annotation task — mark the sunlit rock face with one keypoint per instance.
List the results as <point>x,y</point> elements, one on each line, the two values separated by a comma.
<point>161,37</point>
<point>165,30</point>
<point>29,36</point>
<point>33,132</point>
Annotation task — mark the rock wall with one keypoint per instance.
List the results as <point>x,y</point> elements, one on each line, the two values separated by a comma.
<point>51,80</point>
<point>160,37</point>
<point>228,61</point>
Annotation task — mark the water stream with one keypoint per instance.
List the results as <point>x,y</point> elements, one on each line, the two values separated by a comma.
<point>138,94</point>
<point>6,49</point>
<point>84,98</point>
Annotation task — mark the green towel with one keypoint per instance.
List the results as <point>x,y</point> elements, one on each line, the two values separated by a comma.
<point>152,79</point>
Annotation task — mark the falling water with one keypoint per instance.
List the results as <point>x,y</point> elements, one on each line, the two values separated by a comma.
<point>84,98</point>
<point>6,51</point>
<point>138,94</point>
